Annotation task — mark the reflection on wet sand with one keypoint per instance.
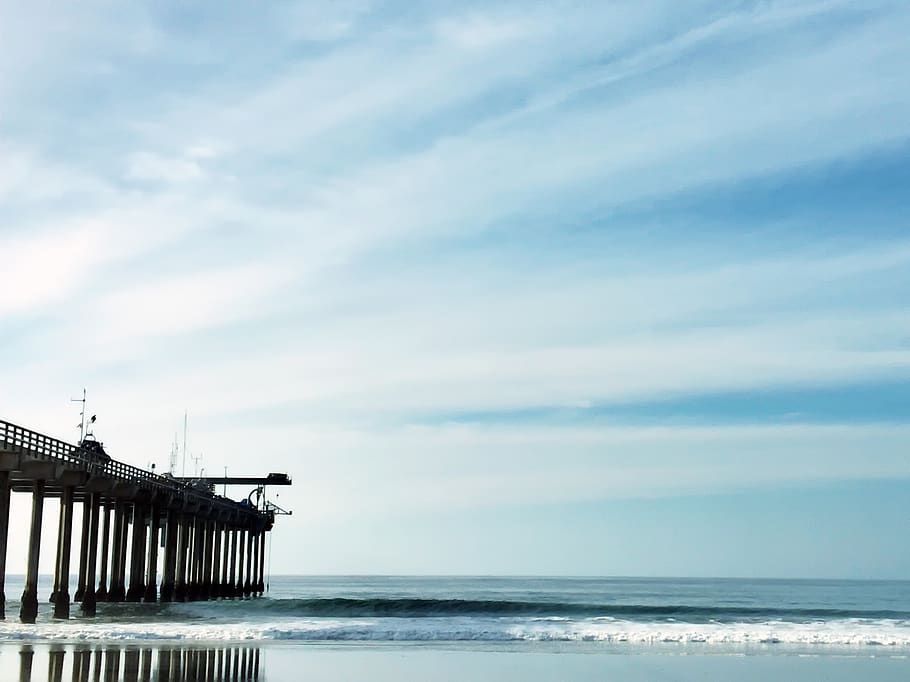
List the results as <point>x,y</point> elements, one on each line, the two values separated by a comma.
<point>111,663</point>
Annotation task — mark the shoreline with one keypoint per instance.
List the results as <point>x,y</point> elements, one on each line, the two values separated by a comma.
<point>276,661</point>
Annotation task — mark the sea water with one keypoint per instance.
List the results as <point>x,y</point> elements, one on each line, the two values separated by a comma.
<point>656,621</point>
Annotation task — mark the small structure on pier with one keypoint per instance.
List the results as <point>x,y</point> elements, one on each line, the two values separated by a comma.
<point>214,547</point>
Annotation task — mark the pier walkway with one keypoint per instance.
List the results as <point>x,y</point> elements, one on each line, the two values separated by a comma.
<point>213,547</point>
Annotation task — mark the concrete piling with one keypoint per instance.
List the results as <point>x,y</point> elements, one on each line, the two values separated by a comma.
<point>101,592</point>
<point>4,537</point>
<point>61,594</point>
<point>28,611</point>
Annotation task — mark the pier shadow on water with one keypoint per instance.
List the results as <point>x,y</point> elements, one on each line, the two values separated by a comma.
<point>116,663</point>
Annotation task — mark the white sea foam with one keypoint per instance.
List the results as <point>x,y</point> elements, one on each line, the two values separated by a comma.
<point>849,633</point>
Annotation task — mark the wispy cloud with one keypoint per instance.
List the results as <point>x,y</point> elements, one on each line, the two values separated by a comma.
<point>384,216</point>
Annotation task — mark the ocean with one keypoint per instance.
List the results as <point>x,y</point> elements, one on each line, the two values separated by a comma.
<point>562,627</point>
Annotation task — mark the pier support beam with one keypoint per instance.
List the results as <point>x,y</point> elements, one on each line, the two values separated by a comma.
<point>232,580</point>
<point>83,553</point>
<point>225,556</point>
<point>62,565</point>
<point>117,591</point>
<point>89,601</point>
<point>192,568</point>
<point>247,585</point>
<point>216,563</point>
<point>137,555</point>
<point>170,556</point>
<point>261,584</point>
<point>28,612</point>
<point>183,543</point>
<point>254,574</point>
<point>151,587</point>
<point>240,545</point>
<point>4,537</point>
<point>101,592</point>
<point>208,540</point>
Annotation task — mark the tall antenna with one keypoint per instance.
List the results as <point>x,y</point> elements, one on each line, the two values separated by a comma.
<point>183,472</point>
<point>81,415</point>
<point>196,459</point>
<point>174,450</point>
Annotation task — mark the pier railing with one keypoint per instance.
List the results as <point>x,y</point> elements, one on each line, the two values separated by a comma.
<point>19,440</point>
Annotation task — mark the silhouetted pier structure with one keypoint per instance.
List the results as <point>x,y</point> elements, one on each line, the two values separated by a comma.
<point>213,547</point>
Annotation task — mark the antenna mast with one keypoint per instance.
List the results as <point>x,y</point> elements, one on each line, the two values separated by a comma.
<point>81,415</point>
<point>183,472</point>
<point>174,450</point>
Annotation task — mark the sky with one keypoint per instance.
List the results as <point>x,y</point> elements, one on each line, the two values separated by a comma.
<point>613,288</point>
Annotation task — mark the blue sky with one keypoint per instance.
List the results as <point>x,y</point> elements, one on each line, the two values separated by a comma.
<point>582,288</point>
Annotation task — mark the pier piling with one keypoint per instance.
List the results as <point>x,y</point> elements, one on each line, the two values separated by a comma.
<point>62,567</point>
<point>28,611</point>
<point>4,537</point>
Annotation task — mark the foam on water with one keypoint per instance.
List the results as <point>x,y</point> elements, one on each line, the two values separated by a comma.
<point>850,633</point>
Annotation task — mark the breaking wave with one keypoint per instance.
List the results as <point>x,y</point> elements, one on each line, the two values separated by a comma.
<point>428,608</point>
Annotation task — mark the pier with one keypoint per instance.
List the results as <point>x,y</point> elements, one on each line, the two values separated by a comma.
<point>211,546</point>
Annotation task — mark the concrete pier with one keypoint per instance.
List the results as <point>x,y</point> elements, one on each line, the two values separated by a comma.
<point>212,546</point>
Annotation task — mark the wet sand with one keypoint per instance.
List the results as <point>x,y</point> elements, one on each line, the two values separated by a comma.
<point>286,662</point>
